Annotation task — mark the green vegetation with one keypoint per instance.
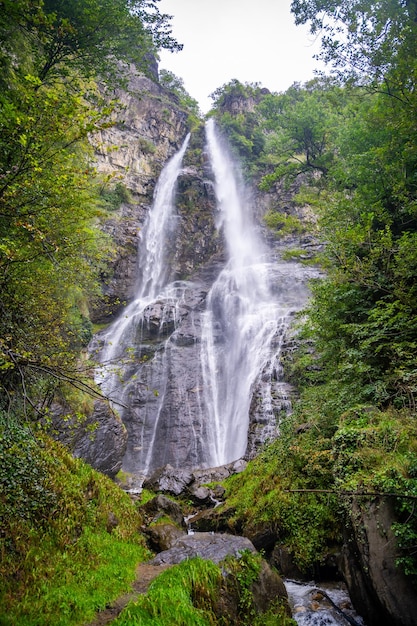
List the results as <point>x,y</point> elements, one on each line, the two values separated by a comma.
<point>191,593</point>
<point>347,144</point>
<point>70,538</point>
<point>176,86</point>
<point>266,496</point>
<point>112,197</point>
<point>51,252</point>
<point>285,224</point>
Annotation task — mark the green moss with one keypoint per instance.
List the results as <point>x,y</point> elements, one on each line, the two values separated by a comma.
<point>265,494</point>
<point>70,538</point>
<point>285,224</point>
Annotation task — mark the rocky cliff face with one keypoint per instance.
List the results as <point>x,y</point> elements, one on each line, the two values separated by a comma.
<point>382,593</point>
<point>149,128</point>
<point>169,382</point>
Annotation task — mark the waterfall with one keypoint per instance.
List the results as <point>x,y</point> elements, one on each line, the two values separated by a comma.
<point>243,318</point>
<point>193,366</point>
<point>121,346</point>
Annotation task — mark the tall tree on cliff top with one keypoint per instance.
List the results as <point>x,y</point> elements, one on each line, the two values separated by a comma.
<point>50,251</point>
<point>361,40</point>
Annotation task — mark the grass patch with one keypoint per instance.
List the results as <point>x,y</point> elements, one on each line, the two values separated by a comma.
<point>181,595</point>
<point>200,593</point>
<point>285,224</point>
<point>70,539</point>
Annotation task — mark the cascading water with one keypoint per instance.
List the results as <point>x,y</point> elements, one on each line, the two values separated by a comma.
<point>243,319</point>
<point>121,347</point>
<point>190,365</point>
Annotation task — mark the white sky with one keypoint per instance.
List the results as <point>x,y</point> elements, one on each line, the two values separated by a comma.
<point>250,40</point>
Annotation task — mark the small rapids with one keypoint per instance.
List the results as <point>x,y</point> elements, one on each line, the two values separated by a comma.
<point>323,605</point>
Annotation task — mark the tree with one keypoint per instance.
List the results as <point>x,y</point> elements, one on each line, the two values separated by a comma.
<point>175,84</point>
<point>52,55</point>
<point>363,315</point>
<point>91,36</point>
<point>362,40</point>
<point>235,110</point>
<point>299,125</point>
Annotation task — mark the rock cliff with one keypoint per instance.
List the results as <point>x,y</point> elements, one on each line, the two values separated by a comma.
<point>379,589</point>
<point>168,385</point>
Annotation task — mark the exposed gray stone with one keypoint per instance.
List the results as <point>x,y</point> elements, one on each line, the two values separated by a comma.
<point>99,438</point>
<point>169,480</point>
<point>213,547</point>
<point>104,447</point>
<point>379,590</point>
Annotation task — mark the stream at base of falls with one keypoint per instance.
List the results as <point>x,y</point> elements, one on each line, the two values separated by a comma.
<point>325,604</point>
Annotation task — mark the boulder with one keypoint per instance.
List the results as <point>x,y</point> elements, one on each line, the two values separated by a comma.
<point>209,546</point>
<point>163,536</point>
<point>169,480</point>
<point>266,590</point>
<point>211,520</point>
<point>161,506</point>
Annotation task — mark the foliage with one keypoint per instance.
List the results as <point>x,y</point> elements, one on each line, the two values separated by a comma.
<point>191,593</point>
<point>233,106</point>
<point>113,196</point>
<point>54,39</point>
<point>299,125</point>
<point>176,85</point>
<point>266,494</point>
<point>51,251</point>
<point>69,543</point>
<point>286,224</point>
<point>362,40</point>
<point>377,452</point>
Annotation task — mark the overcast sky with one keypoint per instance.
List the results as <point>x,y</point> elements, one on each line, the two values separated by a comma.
<point>251,40</point>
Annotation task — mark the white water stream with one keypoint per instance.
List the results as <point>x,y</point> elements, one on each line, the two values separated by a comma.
<point>321,605</point>
<point>244,315</point>
<point>122,336</point>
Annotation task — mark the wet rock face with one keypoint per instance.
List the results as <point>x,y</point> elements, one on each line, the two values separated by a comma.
<point>149,129</point>
<point>99,439</point>
<point>379,590</point>
<point>187,483</point>
<point>161,506</point>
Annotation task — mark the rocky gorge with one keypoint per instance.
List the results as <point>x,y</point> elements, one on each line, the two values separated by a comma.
<point>150,131</point>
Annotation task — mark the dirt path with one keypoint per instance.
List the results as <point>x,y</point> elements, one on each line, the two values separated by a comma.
<point>144,576</point>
